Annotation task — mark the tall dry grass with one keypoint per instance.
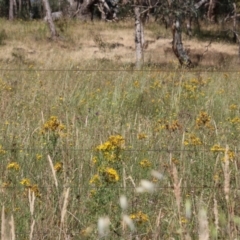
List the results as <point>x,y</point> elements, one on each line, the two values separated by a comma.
<point>177,123</point>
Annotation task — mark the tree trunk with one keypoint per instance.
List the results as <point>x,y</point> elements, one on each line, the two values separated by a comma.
<point>211,11</point>
<point>14,8</point>
<point>11,13</point>
<point>19,7</point>
<point>138,37</point>
<point>235,36</point>
<point>49,19</point>
<point>200,3</point>
<point>189,26</point>
<point>85,11</point>
<point>177,45</point>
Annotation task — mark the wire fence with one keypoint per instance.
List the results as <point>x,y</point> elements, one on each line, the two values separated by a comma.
<point>198,149</point>
<point>180,70</point>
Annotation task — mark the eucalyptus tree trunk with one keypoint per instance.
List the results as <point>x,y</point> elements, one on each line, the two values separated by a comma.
<point>11,13</point>
<point>235,36</point>
<point>200,3</point>
<point>15,8</point>
<point>138,37</point>
<point>49,19</point>
<point>177,45</point>
<point>19,7</point>
<point>211,10</point>
<point>86,9</point>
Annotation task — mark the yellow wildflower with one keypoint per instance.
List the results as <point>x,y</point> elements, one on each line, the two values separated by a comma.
<point>111,175</point>
<point>34,188</point>
<point>13,165</point>
<point>192,140</point>
<point>95,180</point>
<point>94,160</point>
<point>141,136</point>
<point>184,220</point>
<point>110,156</point>
<point>38,156</point>
<point>216,178</point>
<point>116,140</point>
<point>26,182</point>
<point>203,119</point>
<point>92,193</point>
<point>233,107</point>
<point>58,166</point>
<point>139,217</point>
<point>175,161</point>
<point>235,120</point>
<point>173,126</point>
<point>107,146</point>
<point>230,154</point>
<point>217,148</point>
<point>145,163</point>
<point>113,142</point>
<point>53,124</point>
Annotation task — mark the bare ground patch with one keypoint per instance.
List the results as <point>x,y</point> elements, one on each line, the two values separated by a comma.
<point>116,45</point>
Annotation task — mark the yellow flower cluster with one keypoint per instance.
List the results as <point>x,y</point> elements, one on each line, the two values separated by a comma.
<point>107,161</point>
<point>145,163</point>
<point>53,124</point>
<point>139,217</point>
<point>203,119</point>
<point>115,141</point>
<point>141,136</point>
<point>218,149</point>
<point>235,120</point>
<point>111,175</point>
<point>38,156</point>
<point>13,165</point>
<point>33,188</point>
<point>190,87</point>
<point>192,140</point>
<point>58,166</point>
<point>95,180</point>
<point>173,126</point>
<point>26,182</point>
<point>233,107</point>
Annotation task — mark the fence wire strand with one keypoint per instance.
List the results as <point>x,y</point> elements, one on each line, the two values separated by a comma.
<point>124,70</point>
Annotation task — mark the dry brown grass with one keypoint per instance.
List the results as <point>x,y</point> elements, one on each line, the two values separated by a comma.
<point>77,44</point>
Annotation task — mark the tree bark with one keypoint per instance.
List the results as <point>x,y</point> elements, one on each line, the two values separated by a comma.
<point>85,10</point>
<point>19,7</point>
<point>200,3</point>
<point>235,36</point>
<point>177,45</point>
<point>11,13</point>
<point>49,19</point>
<point>189,26</point>
<point>211,10</point>
<point>138,37</point>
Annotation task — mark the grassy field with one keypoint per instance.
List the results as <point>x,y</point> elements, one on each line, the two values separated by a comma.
<point>73,142</point>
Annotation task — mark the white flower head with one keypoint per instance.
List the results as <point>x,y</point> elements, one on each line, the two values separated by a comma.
<point>188,209</point>
<point>157,174</point>
<point>146,186</point>
<point>123,202</point>
<point>129,222</point>
<point>103,226</point>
